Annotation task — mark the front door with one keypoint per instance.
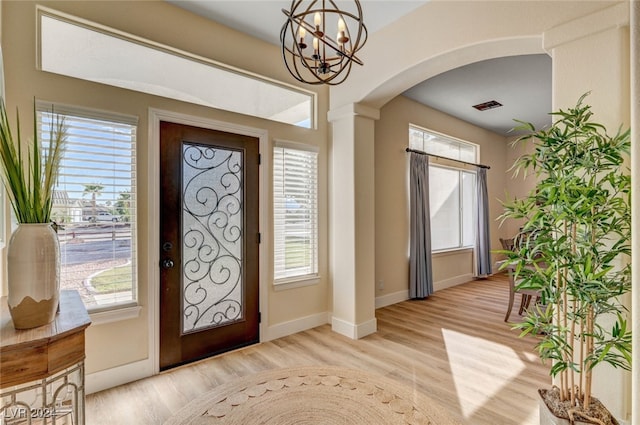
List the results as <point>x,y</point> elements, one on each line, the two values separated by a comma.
<point>208,242</point>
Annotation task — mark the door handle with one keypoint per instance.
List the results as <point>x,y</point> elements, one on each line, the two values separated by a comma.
<point>167,264</point>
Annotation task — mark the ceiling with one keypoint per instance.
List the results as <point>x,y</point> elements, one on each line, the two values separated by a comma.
<point>522,84</point>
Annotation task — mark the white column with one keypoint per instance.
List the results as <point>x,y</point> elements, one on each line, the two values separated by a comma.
<point>592,54</point>
<point>635,207</point>
<point>352,220</point>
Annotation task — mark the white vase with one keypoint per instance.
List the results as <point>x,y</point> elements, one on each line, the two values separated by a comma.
<point>33,266</point>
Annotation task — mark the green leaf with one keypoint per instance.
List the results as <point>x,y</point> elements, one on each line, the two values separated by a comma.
<point>30,180</point>
<point>575,240</point>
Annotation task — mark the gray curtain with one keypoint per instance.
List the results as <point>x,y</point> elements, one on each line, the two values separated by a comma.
<point>483,240</point>
<point>420,275</point>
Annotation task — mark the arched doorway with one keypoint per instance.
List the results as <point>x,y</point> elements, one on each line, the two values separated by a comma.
<point>438,37</point>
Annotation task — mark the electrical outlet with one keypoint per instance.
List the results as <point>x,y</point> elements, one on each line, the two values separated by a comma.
<point>380,285</point>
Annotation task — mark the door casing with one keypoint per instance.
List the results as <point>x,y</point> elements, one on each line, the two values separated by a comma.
<point>153,223</point>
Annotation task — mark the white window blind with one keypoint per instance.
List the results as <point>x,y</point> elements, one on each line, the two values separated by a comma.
<point>295,188</point>
<point>95,204</point>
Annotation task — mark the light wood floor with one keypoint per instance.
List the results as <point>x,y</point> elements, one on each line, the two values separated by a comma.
<point>453,347</point>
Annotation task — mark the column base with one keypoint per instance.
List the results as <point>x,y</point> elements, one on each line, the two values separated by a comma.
<point>352,330</point>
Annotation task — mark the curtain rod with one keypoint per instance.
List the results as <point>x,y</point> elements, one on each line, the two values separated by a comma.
<point>450,159</point>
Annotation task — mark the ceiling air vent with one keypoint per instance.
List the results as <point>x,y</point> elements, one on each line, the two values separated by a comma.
<point>492,104</point>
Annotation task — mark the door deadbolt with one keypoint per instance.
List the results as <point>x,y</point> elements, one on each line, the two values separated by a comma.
<point>167,264</point>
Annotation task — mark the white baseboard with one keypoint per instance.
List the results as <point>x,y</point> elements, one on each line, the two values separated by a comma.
<point>130,372</point>
<point>367,328</point>
<point>393,298</point>
<point>294,326</point>
<point>343,327</point>
<point>118,375</point>
<point>353,331</point>
<point>456,280</point>
<point>397,297</point>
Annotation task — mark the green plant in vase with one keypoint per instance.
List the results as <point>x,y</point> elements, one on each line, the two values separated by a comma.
<point>574,248</point>
<point>29,174</point>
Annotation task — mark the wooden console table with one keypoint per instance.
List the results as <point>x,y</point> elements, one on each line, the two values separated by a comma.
<point>42,369</point>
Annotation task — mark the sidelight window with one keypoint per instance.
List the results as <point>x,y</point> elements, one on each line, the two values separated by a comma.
<point>295,198</point>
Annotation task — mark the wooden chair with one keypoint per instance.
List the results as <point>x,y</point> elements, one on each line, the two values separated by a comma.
<point>507,244</point>
<point>527,294</point>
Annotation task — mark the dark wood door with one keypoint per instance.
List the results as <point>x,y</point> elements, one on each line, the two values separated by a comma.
<point>208,242</point>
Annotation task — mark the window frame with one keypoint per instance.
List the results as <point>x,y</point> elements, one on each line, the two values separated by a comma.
<point>456,165</point>
<point>123,310</point>
<point>295,280</point>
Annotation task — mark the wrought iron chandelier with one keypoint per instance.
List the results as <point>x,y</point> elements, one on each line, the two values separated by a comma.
<point>310,52</point>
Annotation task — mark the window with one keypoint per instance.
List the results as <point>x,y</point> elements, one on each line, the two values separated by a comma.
<point>452,189</point>
<point>295,193</point>
<point>439,144</point>
<point>95,204</point>
<point>85,50</point>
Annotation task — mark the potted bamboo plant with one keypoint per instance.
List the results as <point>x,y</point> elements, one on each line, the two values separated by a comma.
<point>33,260</point>
<point>574,248</point>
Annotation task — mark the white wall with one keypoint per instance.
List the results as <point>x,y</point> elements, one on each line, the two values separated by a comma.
<point>635,199</point>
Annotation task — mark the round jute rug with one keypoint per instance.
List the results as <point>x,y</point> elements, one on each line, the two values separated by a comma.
<point>312,395</point>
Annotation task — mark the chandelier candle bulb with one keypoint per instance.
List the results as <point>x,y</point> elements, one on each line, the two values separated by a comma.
<point>302,33</point>
<point>342,37</point>
<point>317,21</point>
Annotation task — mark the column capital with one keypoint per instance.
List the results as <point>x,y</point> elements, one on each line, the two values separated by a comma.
<point>602,20</point>
<point>353,110</point>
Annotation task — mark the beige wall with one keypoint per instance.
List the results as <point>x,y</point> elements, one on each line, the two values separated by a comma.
<point>517,185</point>
<point>392,199</point>
<point>115,344</point>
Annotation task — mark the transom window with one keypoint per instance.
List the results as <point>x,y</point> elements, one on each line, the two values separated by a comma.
<point>89,51</point>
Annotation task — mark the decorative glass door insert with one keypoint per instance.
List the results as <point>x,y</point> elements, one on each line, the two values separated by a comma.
<point>212,230</point>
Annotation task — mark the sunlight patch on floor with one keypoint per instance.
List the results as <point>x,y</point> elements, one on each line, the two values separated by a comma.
<point>498,361</point>
<point>531,357</point>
